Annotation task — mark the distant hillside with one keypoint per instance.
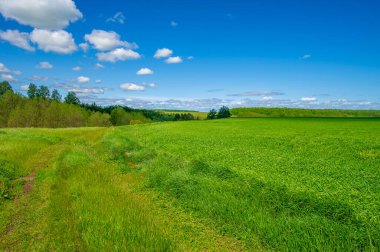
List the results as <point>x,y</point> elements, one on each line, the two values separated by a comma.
<point>295,112</point>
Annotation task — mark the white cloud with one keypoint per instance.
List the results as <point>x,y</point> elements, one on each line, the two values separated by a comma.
<point>163,53</point>
<point>17,38</point>
<point>54,41</point>
<point>107,40</point>
<point>267,98</point>
<point>38,78</point>
<point>8,77</point>
<point>98,66</point>
<point>173,24</point>
<point>132,87</point>
<point>308,99</point>
<point>3,68</point>
<point>46,14</point>
<point>44,65</point>
<point>98,81</point>
<point>17,72</point>
<point>144,71</point>
<point>77,68</point>
<point>84,46</point>
<point>306,56</point>
<point>174,60</point>
<point>119,54</point>
<point>190,58</point>
<point>83,79</point>
<point>87,90</point>
<point>24,87</point>
<point>151,85</point>
<point>117,18</point>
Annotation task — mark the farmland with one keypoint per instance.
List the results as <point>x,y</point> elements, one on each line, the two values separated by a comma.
<point>235,184</point>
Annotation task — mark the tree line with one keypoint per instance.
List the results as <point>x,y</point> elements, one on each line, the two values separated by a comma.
<point>224,112</point>
<point>42,108</point>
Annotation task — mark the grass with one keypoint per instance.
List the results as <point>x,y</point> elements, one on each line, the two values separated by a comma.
<point>297,112</point>
<point>235,184</point>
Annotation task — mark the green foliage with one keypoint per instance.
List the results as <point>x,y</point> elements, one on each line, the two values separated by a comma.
<point>293,112</point>
<point>224,112</point>
<point>56,96</point>
<point>212,114</point>
<point>17,111</point>
<point>121,117</point>
<point>32,91</point>
<point>71,98</point>
<point>4,87</point>
<point>43,92</point>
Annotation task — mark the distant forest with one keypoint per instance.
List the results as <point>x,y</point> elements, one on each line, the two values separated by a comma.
<point>44,108</point>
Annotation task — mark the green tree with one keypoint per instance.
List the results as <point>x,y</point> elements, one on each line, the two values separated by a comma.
<point>224,112</point>
<point>4,87</point>
<point>43,92</point>
<point>212,114</point>
<point>56,96</point>
<point>71,98</point>
<point>32,91</point>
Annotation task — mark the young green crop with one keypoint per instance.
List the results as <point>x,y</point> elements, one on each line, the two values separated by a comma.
<point>235,184</point>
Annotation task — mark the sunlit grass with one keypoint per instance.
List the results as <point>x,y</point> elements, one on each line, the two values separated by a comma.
<point>235,184</point>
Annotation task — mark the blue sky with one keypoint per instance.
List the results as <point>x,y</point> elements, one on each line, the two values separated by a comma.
<point>319,54</point>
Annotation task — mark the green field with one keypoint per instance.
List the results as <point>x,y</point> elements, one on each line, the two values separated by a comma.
<point>221,185</point>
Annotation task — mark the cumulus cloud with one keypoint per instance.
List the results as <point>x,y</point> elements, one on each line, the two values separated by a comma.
<point>173,60</point>
<point>8,77</point>
<point>173,24</point>
<point>45,14</point>
<point>163,53</point>
<point>132,87</point>
<point>98,81</point>
<point>84,46</point>
<point>151,85</point>
<point>83,79</point>
<point>119,54</point>
<point>17,38</point>
<point>257,93</point>
<point>190,58</point>
<point>117,18</point>
<point>144,71</point>
<point>44,65</point>
<point>77,68</point>
<point>107,40</point>
<point>308,99</point>
<point>54,41</point>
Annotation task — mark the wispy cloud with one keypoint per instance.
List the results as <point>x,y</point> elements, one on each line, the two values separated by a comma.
<point>306,56</point>
<point>117,18</point>
<point>257,93</point>
<point>44,65</point>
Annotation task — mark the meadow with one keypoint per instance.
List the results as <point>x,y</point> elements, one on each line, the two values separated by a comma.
<point>265,184</point>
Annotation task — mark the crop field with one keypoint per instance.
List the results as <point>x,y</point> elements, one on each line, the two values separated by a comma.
<point>265,184</point>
